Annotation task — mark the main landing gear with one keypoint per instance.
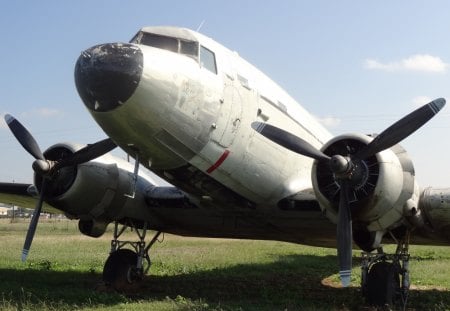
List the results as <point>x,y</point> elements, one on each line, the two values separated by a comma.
<point>385,277</point>
<point>125,268</point>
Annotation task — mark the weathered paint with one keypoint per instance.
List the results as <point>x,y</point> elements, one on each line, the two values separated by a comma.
<point>182,113</point>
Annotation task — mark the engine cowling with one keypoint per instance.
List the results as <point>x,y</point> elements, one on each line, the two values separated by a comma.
<point>435,202</point>
<point>385,198</point>
<point>96,192</point>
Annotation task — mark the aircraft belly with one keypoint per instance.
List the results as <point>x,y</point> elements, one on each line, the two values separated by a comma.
<point>304,227</point>
<point>307,227</point>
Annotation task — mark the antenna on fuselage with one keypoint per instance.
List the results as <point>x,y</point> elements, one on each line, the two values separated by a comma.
<point>200,26</point>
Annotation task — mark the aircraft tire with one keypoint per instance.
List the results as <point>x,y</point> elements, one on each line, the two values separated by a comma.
<point>383,284</point>
<point>120,272</point>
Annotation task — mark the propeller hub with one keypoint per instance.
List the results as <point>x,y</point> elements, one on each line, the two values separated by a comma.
<point>341,166</point>
<point>42,167</point>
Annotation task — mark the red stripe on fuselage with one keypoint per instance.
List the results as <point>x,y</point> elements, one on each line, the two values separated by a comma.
<point>218,162</point>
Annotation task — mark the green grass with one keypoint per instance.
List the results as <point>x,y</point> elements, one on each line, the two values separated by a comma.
<point>64,269</point>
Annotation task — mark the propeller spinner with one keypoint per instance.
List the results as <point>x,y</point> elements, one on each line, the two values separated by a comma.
<point>345,168</point>
<point>46,168</point>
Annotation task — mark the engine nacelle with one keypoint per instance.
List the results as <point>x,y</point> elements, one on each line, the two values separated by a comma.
<point>435,202</point>
<point>96,192</point>
<point>386,197</point>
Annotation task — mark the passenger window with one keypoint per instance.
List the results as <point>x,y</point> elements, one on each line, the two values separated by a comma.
<point>244,81</point>
<point>208,59</point>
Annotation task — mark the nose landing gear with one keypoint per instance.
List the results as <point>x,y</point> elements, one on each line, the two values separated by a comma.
<point>125,268</point>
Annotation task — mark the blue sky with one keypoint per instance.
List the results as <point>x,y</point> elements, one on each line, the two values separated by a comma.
<point>356,65</point>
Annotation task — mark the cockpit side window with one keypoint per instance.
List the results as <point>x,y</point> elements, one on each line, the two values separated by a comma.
<point>208,59</point>
<point>189,48</point>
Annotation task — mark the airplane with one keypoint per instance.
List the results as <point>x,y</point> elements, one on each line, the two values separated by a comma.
<point>244,160</point>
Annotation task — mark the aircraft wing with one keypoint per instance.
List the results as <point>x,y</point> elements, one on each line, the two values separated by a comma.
<point>23,195</point>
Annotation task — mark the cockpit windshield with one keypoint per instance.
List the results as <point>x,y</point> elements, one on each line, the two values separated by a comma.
<point>176,45</point>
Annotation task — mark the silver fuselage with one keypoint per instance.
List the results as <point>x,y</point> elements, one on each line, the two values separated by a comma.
<point>183,115</point>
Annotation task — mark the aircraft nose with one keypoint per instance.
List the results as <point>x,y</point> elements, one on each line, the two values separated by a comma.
<point>107,75</point>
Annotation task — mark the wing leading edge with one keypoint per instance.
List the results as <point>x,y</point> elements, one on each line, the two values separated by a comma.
<point>21,194</point>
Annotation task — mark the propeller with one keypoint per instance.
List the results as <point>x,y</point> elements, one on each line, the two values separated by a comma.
<point>346,168</point>
<point>34,222</point>
<point>289,141</point>
<point>24,137</point>
<point>46,168</point>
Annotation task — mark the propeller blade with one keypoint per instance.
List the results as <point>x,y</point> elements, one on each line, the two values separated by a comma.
<point>344,235</point>
<point>34,222</point>
<point>24,137</point>
<point>289,141</point>
<point>86,154</point>
<point>402,128</point>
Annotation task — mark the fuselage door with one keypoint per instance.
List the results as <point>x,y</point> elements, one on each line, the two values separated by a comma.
<point>229,119</point>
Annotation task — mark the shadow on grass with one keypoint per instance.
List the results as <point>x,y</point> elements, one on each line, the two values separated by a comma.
<point>291,283</point>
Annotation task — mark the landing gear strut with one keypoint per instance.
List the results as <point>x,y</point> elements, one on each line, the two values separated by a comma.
<point>125,268</point>
<point>385,277</point>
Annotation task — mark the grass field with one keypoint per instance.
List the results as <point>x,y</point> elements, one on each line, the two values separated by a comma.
<point>64,269</point>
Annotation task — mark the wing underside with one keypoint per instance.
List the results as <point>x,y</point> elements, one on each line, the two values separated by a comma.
<point>22,195</point>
